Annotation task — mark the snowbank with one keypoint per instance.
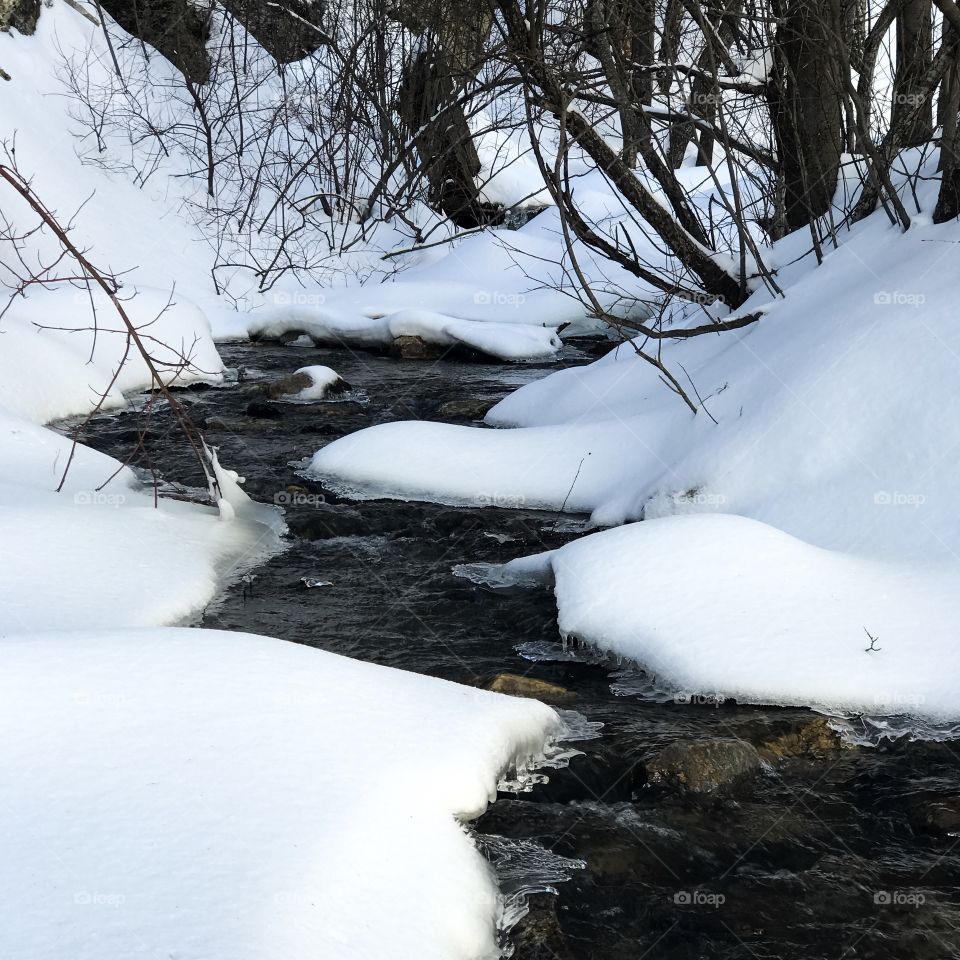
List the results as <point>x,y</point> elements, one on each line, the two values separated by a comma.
<point>194,793</point>
<point>63,349</point>
<point>730,606</point>
<point>830,432</point>
<point>506,341</point>
<point>102,551</point>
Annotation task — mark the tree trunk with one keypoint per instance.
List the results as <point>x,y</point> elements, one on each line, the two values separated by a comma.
<point>806,107</point>
<point>454,32</point>
<point>288,31</point>
<point>912,106</point>
<point>177,28</point>
<point>948,200</point>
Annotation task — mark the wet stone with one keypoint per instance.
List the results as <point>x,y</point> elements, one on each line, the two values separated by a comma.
<point>705,766</point>
<point>937,815</point>
<point>521,686</point>
<point>264,410</point>
<point>539,936</point>
<point>815,739</point>
<point>465,409</point>
<point>239,425</point>
<point>287,386</point>
<point>415,348</point>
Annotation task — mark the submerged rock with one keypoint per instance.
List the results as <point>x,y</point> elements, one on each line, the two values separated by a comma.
<point>705,766</point>
<point>813,739</point>
<point>937,815</point>
<point>415,348</point>
<point>287,386</point>
<point>539,936</point>
<point>238,424</point>
<point>302,381</point>
<point>465,409</point>
<point>324,521</point>
<point>518,686</point>
<point>264,410</point>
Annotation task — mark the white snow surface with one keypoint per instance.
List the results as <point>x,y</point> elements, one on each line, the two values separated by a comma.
<point>193,793</point>
<point>103,551</point>
<point>64,348</point>
<point>506,341</point>
<point>832,437</point>
<point>728,606</point>
<point>323,378</point>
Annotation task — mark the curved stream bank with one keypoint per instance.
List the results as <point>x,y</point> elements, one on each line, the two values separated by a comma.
<point>708,830</point>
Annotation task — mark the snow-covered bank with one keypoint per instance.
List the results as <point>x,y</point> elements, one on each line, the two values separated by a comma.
<point>148,218</point>
<point>65,348</point>
<point>195,793</point>
<point>488,293</point>
<point>830,428</point>
<point>103,552</point>
<point>725,604</point>
<point>506,341</point>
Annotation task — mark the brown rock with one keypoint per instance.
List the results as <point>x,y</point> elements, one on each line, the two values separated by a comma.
<point>813,739</point>
<point>705,766</point>
<point>415,348</point>
<point>539,935</point>
<point>518,686</point>
<point>287,386</point>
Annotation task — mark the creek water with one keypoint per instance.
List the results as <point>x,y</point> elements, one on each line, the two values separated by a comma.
<point>825,852</point>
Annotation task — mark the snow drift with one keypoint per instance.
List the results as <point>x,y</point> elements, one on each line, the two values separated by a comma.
<point>195,793</point>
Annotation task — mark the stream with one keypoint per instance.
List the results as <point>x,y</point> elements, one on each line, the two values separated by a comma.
<point>828,849</point>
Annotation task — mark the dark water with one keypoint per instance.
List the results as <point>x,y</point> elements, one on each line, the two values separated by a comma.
<point>826,853</point>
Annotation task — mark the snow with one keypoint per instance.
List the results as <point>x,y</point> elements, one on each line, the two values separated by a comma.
<point>322,377</point>
<point>464,466</point>
<point>192,793</point>
<point>79,345</point>
<point>726,605</point>
<point>831,458</point>
<point>506,341</point>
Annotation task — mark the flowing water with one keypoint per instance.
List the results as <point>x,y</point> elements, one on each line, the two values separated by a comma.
<point>827,851</point>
